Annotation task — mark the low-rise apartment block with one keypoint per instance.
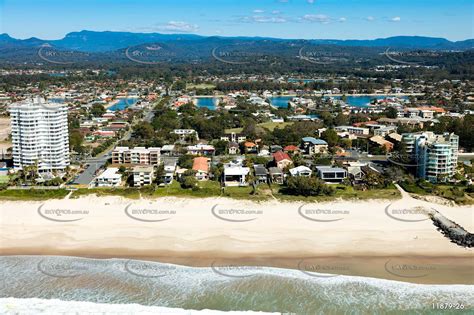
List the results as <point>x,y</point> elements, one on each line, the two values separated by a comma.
<point>136,156</point>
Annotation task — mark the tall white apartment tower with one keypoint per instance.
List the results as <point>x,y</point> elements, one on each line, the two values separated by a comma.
<point>40,135</point>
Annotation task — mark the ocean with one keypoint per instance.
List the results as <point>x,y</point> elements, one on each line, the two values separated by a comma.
<point>219,287</point>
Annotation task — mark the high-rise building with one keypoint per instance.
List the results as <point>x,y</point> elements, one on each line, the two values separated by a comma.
<point>435,156</point>
<point>40,135</point>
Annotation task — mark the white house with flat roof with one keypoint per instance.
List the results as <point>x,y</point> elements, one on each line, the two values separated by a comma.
<point>235,174</point>
<point>142,175</point>
<point>109,178</point>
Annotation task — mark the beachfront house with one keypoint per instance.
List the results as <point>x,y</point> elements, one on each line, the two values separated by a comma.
<point>276,175</point>
<point>142,175</point>
<point>109,178</point>
<point>201,167</point>
<point>170,169</point>
<point>331,174</point>
<point>261,174</point>
<point>235,174</point>
<point>301,171</point>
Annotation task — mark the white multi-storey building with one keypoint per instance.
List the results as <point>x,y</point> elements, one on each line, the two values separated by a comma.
<point>436,156</point>
<point>40,135</point>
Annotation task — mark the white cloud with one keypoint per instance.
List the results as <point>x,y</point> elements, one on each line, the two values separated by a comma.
<point>179,26</point>
<point>395,19</point>
<point>370,18</point>
<point>258,18</point>
<point>319,18</point>
<point>258,11</point>
<point>342,19</point>
<point>310,1</point>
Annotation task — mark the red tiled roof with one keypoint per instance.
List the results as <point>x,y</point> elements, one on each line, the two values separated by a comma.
<point>201,164</point>
<point>280,156</point>
<point>364,123</point>
<point>291,148</point>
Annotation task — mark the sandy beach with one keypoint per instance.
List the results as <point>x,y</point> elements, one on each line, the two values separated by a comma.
<point>199,231</point>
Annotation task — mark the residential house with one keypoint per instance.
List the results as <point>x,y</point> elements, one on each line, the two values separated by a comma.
<point>302,171</point>
<point>233,148</point>
<point>170,169</point>
<point>261,174</point>
<point>201,149</point>
<point>235,174</point>
<point>234,137</point>
<point>331,174</point>
<point>385,144</point>
<point>291,149</point>
<point>282,159</point>
<point>276,175</point>
<point>109,178</point>
<point>250,147</point>
<point>201,167</point>
<point>169,150</point>
<point>186,134</point>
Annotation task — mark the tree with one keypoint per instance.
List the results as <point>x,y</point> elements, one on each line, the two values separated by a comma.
<point>221,147</point>
<point>75,141</point>
<point>391,112</point>
<point>188,179</point>
<point>97,110</point>
<point>331,137</point>
<point>144,130</point>
<point>186,161</point>
<point>307,186</point>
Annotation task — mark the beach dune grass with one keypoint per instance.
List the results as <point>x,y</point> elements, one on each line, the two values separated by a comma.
<point>33,194</point>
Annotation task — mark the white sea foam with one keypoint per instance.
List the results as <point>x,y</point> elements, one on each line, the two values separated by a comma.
<point>12,306</point>
<point>240,288</point>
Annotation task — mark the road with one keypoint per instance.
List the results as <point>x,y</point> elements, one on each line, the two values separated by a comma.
<point>95,163</point>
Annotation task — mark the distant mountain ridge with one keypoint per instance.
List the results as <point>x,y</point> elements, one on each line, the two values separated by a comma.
<point>92,41</point>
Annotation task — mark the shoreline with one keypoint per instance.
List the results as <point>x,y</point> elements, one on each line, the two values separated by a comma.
<point>198,232</point>
<point>425,270</point>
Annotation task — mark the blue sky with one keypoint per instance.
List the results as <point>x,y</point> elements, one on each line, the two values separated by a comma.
<point>338,19</point>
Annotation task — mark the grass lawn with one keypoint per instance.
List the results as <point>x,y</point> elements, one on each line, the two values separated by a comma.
<point>272,125</point>
<point>33,194</point>
<point>343,192</point>
<point>4,179</point>
<point>268,125</point>
<point>202,86</point>
<point>129,193</point>
<point>451,192</point>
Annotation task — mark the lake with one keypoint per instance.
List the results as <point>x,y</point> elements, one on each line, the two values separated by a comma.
<point>123,103</point>
<point>207,102</point>
<point>363,101</point>
<point>357,101</point>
